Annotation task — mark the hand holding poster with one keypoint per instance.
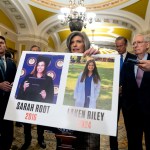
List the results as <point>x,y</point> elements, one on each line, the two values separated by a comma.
<point>61,95</point>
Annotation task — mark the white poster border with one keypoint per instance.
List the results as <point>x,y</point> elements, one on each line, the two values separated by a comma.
<point>57,114</point>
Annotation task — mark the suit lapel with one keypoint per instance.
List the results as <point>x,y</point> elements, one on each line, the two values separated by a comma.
<point>132,74</point>
<point>126,57</point>
<point>145,74</point>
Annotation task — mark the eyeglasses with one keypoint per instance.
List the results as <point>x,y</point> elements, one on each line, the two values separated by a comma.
<point>138,43</point>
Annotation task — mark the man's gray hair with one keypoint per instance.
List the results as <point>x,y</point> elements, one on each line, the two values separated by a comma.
<point>146,36</point>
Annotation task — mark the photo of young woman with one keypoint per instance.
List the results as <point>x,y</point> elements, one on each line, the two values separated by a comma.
<point>88,86</point>
<point>37,86</point>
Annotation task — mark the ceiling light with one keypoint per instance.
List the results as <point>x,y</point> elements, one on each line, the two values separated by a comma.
<point>75,15</point>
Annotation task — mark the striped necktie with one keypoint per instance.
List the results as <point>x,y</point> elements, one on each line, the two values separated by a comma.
<point>2,67</point>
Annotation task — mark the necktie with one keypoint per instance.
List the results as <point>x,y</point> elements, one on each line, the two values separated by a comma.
<point>121,61</point>
<point>2,67</point>
<point>139,76</point>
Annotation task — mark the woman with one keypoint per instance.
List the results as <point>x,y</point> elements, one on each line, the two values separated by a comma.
<point>37,86</point>
<point>88,86</point>
<point>78,42</point>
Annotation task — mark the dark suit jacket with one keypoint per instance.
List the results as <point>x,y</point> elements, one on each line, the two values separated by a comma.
<point>129,55</point>
<point>9,76</point>
<point>135,98</point>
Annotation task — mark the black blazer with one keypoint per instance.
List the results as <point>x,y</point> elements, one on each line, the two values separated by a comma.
<point>129,55</point>
<point>135,98</point>
<point>9,76</point>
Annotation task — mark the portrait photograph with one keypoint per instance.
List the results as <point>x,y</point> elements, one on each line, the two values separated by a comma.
<point>99,82</point>
<point>40,77</point>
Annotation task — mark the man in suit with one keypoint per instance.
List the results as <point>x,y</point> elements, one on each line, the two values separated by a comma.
<point>27,126</point>
<point>121,46</point>
<point>136,97</point>
<point>7,75</point>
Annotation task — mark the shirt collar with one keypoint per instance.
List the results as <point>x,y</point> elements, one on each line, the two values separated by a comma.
<point>3,57</point>
<point>145,57</point>
<point>124,55</point>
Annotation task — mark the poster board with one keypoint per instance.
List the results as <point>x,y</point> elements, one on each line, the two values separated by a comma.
<point>61,111</point>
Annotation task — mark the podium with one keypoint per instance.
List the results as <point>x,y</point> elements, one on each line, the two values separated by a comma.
<point>65,142</point>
